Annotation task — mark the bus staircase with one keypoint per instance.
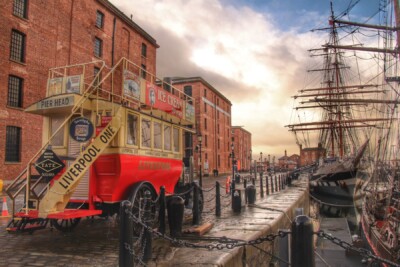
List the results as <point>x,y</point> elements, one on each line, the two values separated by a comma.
<point>50,201</point>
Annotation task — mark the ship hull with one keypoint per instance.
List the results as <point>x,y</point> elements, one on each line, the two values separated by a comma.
<point>371,234</point>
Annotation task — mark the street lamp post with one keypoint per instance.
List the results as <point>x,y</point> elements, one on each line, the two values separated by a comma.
<point>199,139</point>
<point>233,159</point>
<point>250,160</point>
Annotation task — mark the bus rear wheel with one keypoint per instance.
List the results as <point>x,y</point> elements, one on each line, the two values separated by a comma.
<point>144,208</point>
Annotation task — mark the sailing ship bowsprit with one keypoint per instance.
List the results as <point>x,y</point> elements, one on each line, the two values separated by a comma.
<point>351,114</point>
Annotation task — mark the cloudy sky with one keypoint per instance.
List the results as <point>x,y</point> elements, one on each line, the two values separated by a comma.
<point>253,51</point>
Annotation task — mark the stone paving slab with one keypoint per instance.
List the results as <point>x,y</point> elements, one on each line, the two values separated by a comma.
<point>252,223</point>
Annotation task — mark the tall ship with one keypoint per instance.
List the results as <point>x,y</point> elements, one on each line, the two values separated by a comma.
<point>352,114</point>
<point>380,213</point>
<point>336,112</point>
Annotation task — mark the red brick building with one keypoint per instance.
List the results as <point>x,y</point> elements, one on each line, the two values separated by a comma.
<point>38,35</point>
<point>242,147</point>
<point>311,155</point>
<point>288,163</point>
<point>213,118</point>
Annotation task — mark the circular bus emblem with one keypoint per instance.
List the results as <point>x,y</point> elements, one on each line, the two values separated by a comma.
<point>81,129</point>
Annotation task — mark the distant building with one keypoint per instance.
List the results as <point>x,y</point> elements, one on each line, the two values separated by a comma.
<point>311,155</point>
<point>213,118</point>
<point>38,35</point>
<point>242,147</point>
<point>287,163</point>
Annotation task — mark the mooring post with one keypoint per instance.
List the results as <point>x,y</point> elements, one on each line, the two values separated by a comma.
<point>196,207</point>
<point>245,191</point>
<point>161,214</point>
<point>302,247</point>
<point>217,199</point>
<point>232,190</point>
<point>261,186</point>
<point>236,201</point>
<point>284,249</point>
<point>147,240</point>
<point>251,194</point>
<point>125,234</point>
<point>272,184</point>
<point>279,183</point>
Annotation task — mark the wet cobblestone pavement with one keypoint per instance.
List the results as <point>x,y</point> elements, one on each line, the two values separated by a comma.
<point>92,243</point>
<point>95,242</point>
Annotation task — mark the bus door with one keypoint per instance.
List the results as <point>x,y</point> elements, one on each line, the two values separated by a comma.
<point>82,190</point>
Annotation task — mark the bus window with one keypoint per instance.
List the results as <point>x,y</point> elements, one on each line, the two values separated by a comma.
<point>132,127</point>
<point>157,135</point>
<point>58,139</point>
<point>146,131</point>
<point>176,139</point>
<point>167,137</point>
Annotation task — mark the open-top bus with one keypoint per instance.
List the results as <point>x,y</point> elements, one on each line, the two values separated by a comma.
<point>108,135</point>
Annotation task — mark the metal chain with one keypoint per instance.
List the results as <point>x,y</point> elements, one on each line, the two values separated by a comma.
<point>208,189</point>
<point>362,251</point>
<point>181,194</point>
<point>209,200</point>
<point>222,243</point>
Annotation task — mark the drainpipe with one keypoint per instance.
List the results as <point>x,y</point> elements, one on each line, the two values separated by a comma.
<point>113,41</point>
<point>70,31</point>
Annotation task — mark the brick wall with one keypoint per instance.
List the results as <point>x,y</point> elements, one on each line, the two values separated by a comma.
<point>58,33</point>
<point>213,119</point>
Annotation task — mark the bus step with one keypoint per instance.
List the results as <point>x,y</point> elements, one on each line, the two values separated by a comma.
<point>26,224</point>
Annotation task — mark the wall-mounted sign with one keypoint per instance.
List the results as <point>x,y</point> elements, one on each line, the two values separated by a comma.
<point>73,84</point>
<point>158,98</point>
<point>189,112</point>
<point>131,84</point>
<point>81,129</point>
<point>48,164</point>
<point>55,102</point>
<point>55,86</point>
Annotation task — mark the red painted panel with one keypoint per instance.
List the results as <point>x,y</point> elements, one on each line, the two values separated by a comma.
<point>115,174</point>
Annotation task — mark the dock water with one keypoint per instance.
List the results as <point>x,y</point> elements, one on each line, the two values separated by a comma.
<point>330,254</point>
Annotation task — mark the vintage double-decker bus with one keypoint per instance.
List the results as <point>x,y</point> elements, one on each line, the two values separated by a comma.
<point>108,135</point>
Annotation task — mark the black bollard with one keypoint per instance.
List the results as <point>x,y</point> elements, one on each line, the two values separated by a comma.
<point>272,184</point>
<point>147,239</point>
<point>261,186</point>
<point>161,214</point>
<point>237,178</point>
<point>245,191</point>
<point>217,199</point>
<point>236,201</point>
<point>279,183</point>
<point>175,207</point>
<point>125,235</point>
<point>266,184</point>
<point>196,204</point>
<point>251,194</point>
<point>302,246</point>
<point>232,190</point>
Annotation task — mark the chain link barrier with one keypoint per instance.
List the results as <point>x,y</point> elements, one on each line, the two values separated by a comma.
<point>361,251</point>
<point>221,243</point>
